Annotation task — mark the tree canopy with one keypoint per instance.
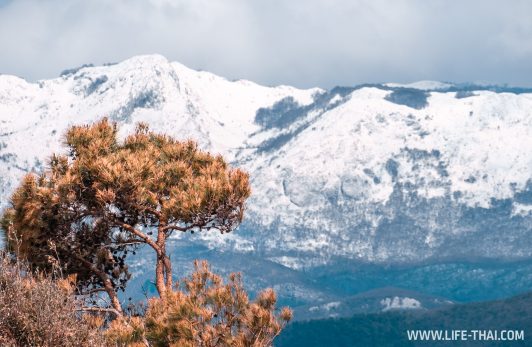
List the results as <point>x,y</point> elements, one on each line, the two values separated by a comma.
<point>105,197</point>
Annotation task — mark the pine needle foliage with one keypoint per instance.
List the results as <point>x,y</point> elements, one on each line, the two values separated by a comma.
<point>106,197</point>
<point>204,311</point>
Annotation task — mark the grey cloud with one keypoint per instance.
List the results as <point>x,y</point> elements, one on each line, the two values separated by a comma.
<point>303,43</point>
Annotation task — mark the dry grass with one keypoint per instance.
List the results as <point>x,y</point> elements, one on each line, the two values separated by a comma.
<point>38,311</point>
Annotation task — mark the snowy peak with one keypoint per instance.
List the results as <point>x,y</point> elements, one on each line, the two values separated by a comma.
<point>216,112</point>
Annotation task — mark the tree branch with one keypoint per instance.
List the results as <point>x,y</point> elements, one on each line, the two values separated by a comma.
<point>92,291</point>
<point>140,234</point>
<point>154,212</point>
<point>175,227</point>
<point>127,243</point>
<point>106,281</point>
<point>100,309</point>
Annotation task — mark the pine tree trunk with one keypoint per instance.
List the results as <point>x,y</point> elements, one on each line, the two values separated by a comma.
<point>168,270</point>
<point>159,276</point>
<point>161,255</point>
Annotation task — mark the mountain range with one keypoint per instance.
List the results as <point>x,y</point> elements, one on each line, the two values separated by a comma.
<point>424,186</point>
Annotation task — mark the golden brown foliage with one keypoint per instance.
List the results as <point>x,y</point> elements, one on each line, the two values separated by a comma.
<point>102,200</point>
<point>38,311</point>
<point>203,311</point>
<point>105,197</point>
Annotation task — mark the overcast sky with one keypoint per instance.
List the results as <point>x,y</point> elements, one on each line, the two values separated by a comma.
<point>304,43</point>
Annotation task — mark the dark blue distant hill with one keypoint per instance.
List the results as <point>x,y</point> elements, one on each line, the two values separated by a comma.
<point>389,329</point>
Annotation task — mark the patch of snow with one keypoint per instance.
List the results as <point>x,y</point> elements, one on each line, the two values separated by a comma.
<point>326,307</point>
<point>290,262</point>
<point>521,209</point>
<point>400,303</point>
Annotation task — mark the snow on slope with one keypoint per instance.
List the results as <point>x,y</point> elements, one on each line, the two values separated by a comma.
<point>348,172</point>
<point>170,97</point>
<point>490,134</point>
<point>336,179</point>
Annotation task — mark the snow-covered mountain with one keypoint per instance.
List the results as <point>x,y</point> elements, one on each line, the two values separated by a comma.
<point>384,173</point>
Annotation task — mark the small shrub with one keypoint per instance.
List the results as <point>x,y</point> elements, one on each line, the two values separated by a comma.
<point>39,311</point>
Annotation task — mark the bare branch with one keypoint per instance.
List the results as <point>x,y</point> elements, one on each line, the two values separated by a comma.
<point>176,227</point>
<point>92,291</point>
<point>100,309</point>
<point>120,244</point>
<point>140,234</point>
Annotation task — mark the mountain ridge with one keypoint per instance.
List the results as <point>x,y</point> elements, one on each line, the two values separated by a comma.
<point>380,173</point>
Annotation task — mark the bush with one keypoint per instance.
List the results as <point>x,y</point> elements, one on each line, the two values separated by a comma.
<point>38,311</point>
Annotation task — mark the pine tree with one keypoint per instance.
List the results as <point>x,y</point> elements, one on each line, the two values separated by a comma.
<point>106,197</point>
<point>204,311</point>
